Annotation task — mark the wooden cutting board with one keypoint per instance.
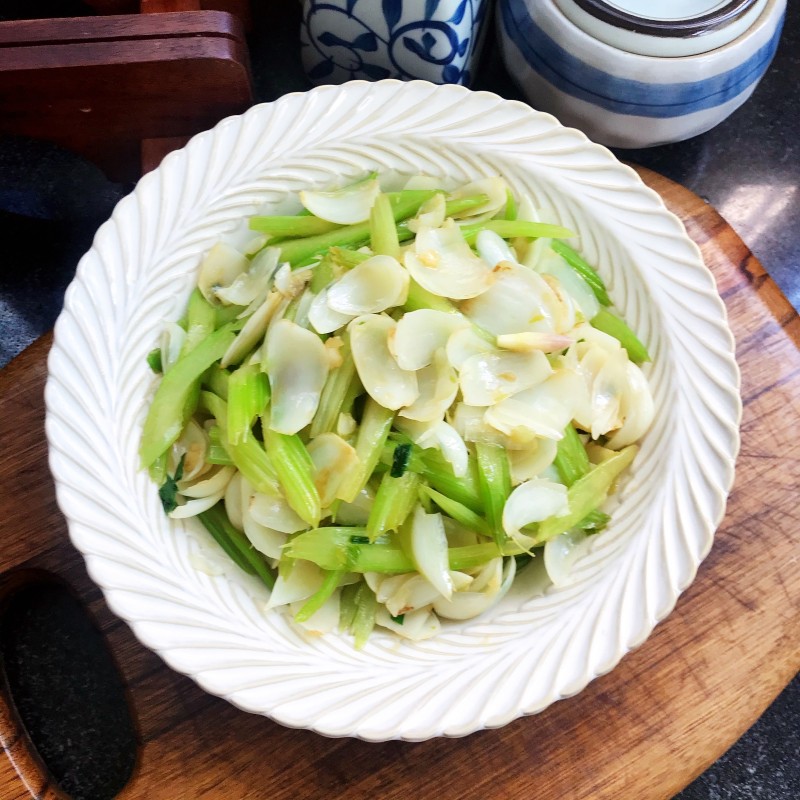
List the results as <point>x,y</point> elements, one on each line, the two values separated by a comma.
<point>644,731</point>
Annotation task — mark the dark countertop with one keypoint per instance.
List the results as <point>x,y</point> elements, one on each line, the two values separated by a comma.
<point>748,168</point>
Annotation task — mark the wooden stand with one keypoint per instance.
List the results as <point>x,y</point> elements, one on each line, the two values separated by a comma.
<point>100,85</point>
<point>643,731</point>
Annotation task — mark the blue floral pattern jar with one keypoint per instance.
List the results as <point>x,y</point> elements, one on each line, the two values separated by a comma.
<point>435,40</point>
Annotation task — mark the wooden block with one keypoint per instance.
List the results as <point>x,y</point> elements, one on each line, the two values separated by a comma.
<point>98,86</point>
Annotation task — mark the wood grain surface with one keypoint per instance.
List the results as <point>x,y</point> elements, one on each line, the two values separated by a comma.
<point>643,731</point>
<point>99,85</point>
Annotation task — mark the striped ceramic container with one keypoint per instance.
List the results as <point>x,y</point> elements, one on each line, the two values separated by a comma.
<point>566,64</point>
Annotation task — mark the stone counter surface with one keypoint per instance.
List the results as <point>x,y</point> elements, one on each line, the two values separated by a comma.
<point>748,167</point>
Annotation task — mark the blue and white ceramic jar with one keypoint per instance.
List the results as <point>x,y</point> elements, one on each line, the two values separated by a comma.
<point>628,80</point>
<point>435,40</point>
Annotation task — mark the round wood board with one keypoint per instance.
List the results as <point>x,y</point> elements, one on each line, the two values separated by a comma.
<point>645,730</point>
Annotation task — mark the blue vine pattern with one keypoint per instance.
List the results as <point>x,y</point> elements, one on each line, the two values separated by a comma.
<point>435,40</point>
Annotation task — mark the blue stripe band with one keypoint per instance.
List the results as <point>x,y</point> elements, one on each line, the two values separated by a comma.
<point>622,95</point>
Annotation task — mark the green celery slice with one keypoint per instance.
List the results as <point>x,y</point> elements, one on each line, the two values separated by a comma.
<point>169,409</point>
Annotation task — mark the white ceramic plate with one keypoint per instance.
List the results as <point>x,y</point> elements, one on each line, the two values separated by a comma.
<point>539,644</point>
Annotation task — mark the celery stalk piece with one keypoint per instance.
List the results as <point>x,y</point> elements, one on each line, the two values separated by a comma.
<point>169,409</point>
<point>158,469</point>
<point>383,232</point>
<point>347,606</point>
<point>422,298</point>
<point>364,619</point>
<point>349,549</point>
<point>571,460</point>
<point>376,423</point>
<point>318,599</point>
<point>323,274</point>
<point>298,251</point>
<point>334,392</point>
<point>586,495</point>
<point>394,501</point>
<point>248,396</point>
<point>295,473</point>
<point>494,479</point>
<point>217,379</point>
<point>154,360</point>
<point>608,323</point>
<point>235,543</point>
<point>439,474</point>
<point>291,227</point>
<point>228,315</point>
<point>217,452</point>
<point>510,229</point>
<point>248,456</point>
<point>460,513</point>
<point>451,207</point>
<point>346,258</point>
<point>588,273</point>
<point>201,320</point>
<point>511,206</point>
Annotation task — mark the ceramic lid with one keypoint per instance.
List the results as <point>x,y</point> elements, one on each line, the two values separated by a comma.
<point>666,29</point>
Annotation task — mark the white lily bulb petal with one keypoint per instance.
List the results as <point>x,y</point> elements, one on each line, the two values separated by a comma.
<point>253,283</point>
<point>419,334</point>
<point>171,344</point>
<point>452,447</point>
<point>562,307</point>
<point>464,344</point>
<point>432,213</point>
<point>440,435</point>
<point>561,553</point>
<point>496,190</point>
<point>303,580</point>
<point>237,497</point>
<point>551,263</point>
<point>410,593</point>
<point>533,501</point>
<point>438,387</point>
<point>443,263</point>
<point>264,263</point>
<point>469,604</point>
<point>298,366</point>
<point>489,577</point>
<point>637,409</point>
<point>324,620</point>
<point>266,540</point>
<point>323,318</point>
<point>333,459</point>
<point>608,389</point>
<point>216,483</point>
<point>193,448</point>
<point>357,512</point>
<point>528,341</point>
<point>429,550</point>
<point>543,410</point>
<point>518,300</point>
<point>374,285</point>
<point>532,251</point>
<point>469,423</point>
<point>196,506</point>
<point>220,267</point>
<point>272,511</point>
<point>416,626</point>
<point>384,380</point>
<point>290,282</point>
<point>345,206</point>
<point>531,462</point>
<point>249,336</point>
<point>493,248</point>
<point>488,378</point>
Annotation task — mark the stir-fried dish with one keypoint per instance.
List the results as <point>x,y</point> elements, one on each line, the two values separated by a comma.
<point>384,405</point>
